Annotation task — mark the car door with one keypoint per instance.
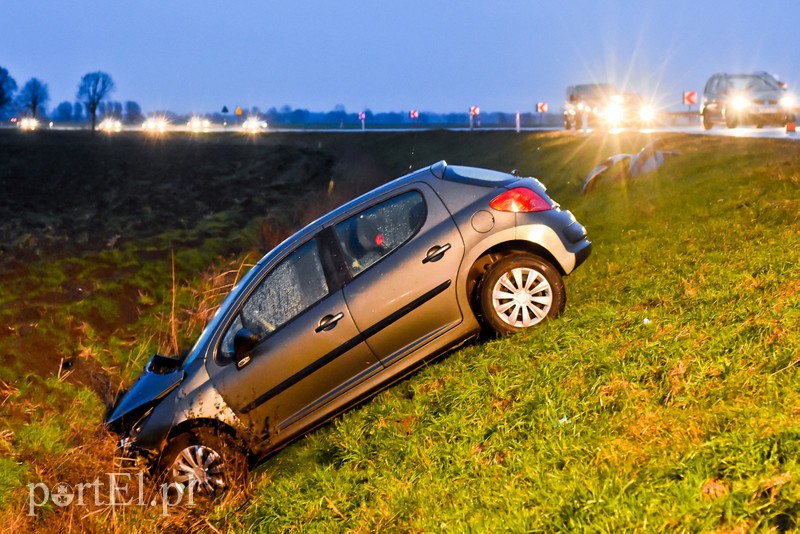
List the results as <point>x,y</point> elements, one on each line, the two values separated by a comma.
<point>309,348</point>
<point>403,254</point>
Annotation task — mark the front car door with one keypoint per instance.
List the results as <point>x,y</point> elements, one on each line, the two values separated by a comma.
<point>403,254</point>
<point>309,348</point>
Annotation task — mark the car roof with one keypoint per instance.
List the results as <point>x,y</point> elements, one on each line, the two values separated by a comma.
<point>352,206</point>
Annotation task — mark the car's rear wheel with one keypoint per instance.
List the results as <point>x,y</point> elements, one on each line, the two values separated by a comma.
<point>519,292</point>
<point>204,461</point>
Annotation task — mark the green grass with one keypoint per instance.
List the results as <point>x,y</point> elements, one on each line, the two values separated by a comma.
<point>664,398</point>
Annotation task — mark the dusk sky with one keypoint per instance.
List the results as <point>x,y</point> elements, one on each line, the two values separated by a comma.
<point>431,55</point>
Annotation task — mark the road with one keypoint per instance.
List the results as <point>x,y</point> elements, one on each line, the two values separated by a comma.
<point>743,132</point>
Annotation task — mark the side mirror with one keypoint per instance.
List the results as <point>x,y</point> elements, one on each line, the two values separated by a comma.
<point>243,343</point>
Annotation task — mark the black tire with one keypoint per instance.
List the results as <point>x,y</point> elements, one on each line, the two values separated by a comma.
<point>222,461</point>
<point>707,122</point>
<point>506,315</point>
<point>731,121</point>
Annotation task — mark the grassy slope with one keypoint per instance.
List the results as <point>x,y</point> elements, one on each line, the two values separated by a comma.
<point>663,398</point>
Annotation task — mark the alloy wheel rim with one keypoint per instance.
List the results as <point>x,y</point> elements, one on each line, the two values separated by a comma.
<point>199,469</point>
<point>522,297</point>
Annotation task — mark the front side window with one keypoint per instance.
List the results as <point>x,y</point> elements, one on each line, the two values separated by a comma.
<point>367,237</point>
<point>290,288</point>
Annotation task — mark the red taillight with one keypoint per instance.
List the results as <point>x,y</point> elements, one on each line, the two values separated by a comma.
<point>520,199</point>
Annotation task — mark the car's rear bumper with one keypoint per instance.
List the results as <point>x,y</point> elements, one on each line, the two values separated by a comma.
<point>583,253</point>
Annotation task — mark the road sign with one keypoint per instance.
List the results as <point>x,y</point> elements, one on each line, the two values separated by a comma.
<point>413,114</point>
<point>238,111</point>
<point>362,116</point>
<point>474,110</point>
<point>690,98</point>
<point>541,107</point>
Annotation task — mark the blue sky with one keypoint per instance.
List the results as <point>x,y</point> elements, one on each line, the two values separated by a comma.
<point>434,55</point>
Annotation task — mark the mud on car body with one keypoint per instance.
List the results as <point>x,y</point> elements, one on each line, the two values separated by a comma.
<point>347,306</point>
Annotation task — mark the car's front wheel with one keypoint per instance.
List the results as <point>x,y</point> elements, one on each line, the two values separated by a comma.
<point>707,122</point>
<point>519,292</point>
<point>731,120</point>
<point>204,461</point>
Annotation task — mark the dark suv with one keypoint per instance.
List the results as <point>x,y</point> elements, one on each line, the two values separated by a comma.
<point>600,104</point>
<point>757,99</point>
<point>587,100</point>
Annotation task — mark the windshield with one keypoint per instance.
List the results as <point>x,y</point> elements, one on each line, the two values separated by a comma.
<point>197,349</point>
<point>595,91</point>
<point>754,83</point>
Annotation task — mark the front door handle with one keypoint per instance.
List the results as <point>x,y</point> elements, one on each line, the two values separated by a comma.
<point>436,253</point>
<point>328,322</point>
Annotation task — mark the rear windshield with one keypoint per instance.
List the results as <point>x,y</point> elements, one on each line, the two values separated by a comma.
<point>475,176</point>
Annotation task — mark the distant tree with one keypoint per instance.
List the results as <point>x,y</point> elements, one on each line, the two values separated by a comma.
<point>77,112</point>
<point>109,110</point>
<point>94,87</point>
<point>7,88</point>
<point>133,112</point>
<point>63,112</point>
<point>33,97</point>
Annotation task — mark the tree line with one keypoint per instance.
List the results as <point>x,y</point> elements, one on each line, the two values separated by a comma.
<point>32,99</point>
<point>95,87</point>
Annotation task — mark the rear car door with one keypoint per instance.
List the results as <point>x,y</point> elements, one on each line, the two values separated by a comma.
<point>309,348</point>
<point>403,254</point>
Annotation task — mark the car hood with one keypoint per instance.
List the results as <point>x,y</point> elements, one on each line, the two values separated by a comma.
<point>162,374</point>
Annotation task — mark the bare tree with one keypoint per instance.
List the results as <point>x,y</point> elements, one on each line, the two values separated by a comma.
<point>7,88</point>
<point>94,87</point>
<point>34,95</point>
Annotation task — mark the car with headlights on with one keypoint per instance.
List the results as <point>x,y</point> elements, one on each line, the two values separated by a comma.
<point>586,103</point>
<point>754,99</point>
<point>602,105</point>
<point>347,306</point>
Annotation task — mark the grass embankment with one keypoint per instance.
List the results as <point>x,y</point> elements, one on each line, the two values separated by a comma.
<point>665,398</point>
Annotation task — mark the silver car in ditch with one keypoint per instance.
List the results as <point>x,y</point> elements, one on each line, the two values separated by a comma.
<point>347,306</point>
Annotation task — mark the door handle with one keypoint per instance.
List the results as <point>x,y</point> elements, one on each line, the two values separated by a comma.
<point>436,253</point>
<point>328,322</point>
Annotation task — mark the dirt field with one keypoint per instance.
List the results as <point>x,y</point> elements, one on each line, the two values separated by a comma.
<point>67,195</point>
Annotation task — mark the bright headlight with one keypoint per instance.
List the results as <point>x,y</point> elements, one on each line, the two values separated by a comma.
<point>740,102</point>
<point>647,113</point>
<point>788,101</point>
<point>614,115</point>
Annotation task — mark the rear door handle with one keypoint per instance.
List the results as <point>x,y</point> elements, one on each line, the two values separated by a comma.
<point>328,322</point>
<point>436,253</point>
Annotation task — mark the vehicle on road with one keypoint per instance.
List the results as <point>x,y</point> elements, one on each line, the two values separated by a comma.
<point>756,99</point>
<point>602,105</point>
<point>347,306</point>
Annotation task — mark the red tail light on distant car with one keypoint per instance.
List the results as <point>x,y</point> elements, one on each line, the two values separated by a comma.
<point>520,200</point>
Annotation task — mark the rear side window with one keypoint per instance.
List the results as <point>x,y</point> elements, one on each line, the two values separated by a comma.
<point>372,234</point>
